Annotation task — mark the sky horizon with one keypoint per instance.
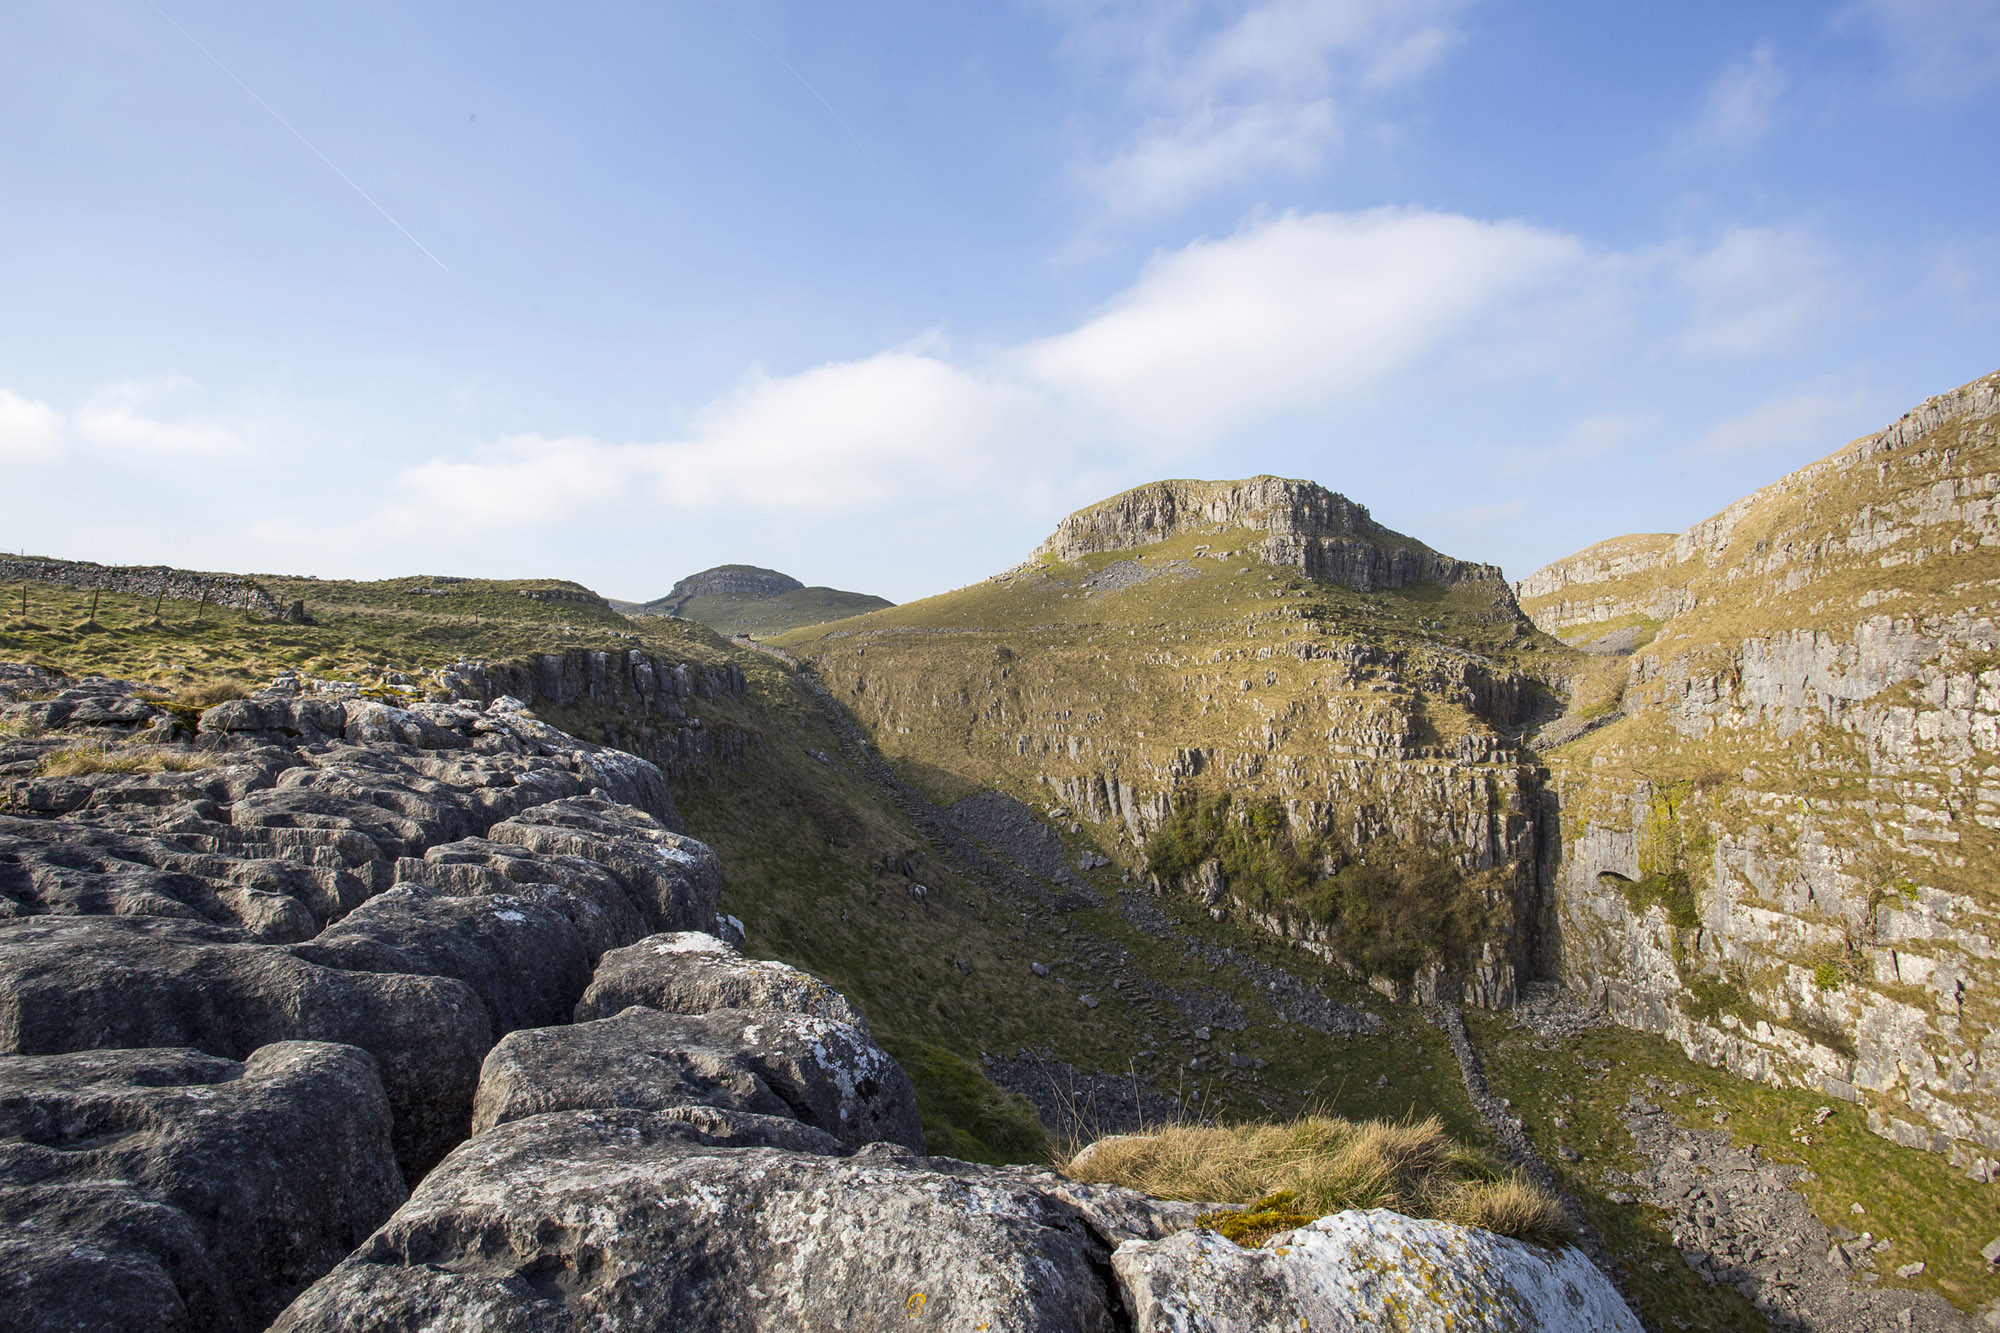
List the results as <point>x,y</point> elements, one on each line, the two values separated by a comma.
<point>876,297</point>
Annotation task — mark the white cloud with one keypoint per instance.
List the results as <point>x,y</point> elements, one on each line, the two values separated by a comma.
<point>1741,103</point>
<point>1218,97</point>
<point>1589,439</point>
<point>126,416</point>
<point>1811,417</point>
<point>844,436</point>
<point>29,428</point>
<point>1756,291</point>
<point>1940,49</point>
<point>1290,313</point>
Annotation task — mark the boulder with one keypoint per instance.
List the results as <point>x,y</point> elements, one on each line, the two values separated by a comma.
<point>688,972</point>
<point>609,1220</point>
<point>517,951</point>
<point>165,1189</point>
<point>824,1074</point>
<point>675,879</point>
<point>92,983</point>
<point>1343,1271</point>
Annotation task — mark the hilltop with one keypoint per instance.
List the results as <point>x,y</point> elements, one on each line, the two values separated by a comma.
<point>750,600</point>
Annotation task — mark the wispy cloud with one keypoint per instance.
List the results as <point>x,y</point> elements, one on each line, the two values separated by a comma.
<point>1939,49</point>
<point>1587,440</point>
<point>1220,92</point>
<point>1815,417</point>
<point>132,417</point>
<point>1741,104</point>
<point>1756,291</point>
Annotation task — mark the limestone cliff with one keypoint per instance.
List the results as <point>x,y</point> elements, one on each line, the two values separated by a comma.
<point>1263,640</point>
<point>1780,791</point>
<point>1324,535</point>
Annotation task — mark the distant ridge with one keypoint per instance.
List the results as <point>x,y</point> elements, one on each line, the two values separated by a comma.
<point>752,600</point>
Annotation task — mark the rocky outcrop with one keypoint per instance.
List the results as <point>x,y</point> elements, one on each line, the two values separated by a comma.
<point>1306,527</point>
<point>168,1189</point>
<point>1345,1271</point>
<point>690,972</point>
<point>635,701</point>
<point>823,1074</point>
<point>662,1227</point>
<point>1779,843</point>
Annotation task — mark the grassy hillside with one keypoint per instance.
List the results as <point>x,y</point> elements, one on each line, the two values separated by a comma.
<point>1122,685</point>
<point>767,617</point>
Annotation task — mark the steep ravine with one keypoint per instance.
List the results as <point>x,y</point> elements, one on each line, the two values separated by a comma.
<point>1781,829</point>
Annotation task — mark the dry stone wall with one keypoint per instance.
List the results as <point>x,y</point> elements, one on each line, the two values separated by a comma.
<point>157,581</point>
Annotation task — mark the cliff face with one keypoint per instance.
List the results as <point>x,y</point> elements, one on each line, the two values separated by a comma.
<point>1781,830</point>
<point>1171,646</point>
<point>729,581</point>
<point>1324,535</point>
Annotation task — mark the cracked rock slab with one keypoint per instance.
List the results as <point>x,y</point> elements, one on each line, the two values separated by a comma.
<point>820,1073</point>
<point>689,972</point>
<point>167,1189</point>
<point>629,1220</point>
<point>1364,1270</point>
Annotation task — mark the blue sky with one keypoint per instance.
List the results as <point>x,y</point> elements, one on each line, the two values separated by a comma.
<point>874,293</point>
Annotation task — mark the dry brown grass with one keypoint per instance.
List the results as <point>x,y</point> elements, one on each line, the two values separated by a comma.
<point>87,757</point>
<point>1315,1164</point>
<point>208,693</point>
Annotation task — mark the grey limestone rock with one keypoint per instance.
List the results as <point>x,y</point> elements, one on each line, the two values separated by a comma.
<point>676,878</point>
<point>518,951</point>
<point>1344,1271</point>
<point>168,1189</point>
<point>604,909</point>
<point>688,972</point>
<point>630,1220</point>
<point>93,983</point>
<point>821,1073</point>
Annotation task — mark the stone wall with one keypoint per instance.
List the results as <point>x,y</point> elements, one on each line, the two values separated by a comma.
<point>175,585</point>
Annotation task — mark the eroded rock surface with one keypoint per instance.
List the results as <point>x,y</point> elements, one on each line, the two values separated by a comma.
<point>633,1220</point>
<point>168,1189</point>
<point>1349,1270</point>
<point>690,972</point>
<point>770,1062</point>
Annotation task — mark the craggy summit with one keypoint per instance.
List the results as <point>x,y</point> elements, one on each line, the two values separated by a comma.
<point>1310,528</point>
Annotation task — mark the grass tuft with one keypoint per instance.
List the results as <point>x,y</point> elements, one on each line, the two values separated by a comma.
<point>85,758</point>
<point>1295,1170</point>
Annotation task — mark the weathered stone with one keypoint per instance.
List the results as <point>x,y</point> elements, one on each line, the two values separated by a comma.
<point>91,983</point>
<point>614,1220</point>
<point>165,1189</point>
<point>603,908</point>
<point>822,1073</point>
<point>1347,1270</point>
<point>688,972</point>
<point>676,878</point>
<point>519,951</point>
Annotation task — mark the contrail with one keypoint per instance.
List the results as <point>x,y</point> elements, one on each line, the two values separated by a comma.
<point>308,142</point>
<point>862,148</point>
